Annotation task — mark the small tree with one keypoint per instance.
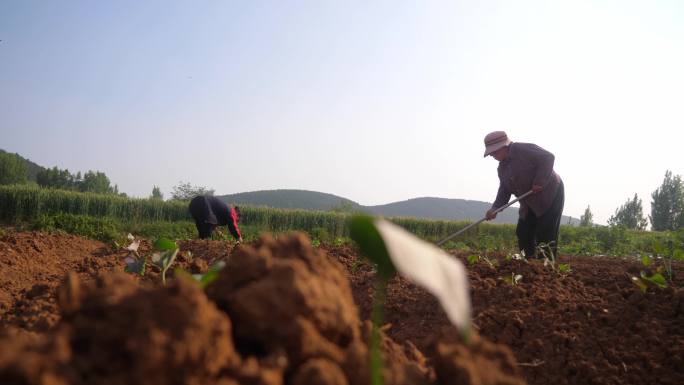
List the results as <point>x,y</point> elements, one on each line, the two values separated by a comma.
<point>97,182</point>
<point>667,206</point>
<point>586,220</point>
<point>629,215</point>
<point>12,169</point>
<point>157,194</point>
<point>186,191</point>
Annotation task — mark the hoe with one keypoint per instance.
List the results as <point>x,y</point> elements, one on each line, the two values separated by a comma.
<point>441,242</point>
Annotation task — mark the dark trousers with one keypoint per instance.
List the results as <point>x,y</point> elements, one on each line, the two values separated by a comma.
<point>203,216</point>
<point>533,230</point>
<point>204,229</point>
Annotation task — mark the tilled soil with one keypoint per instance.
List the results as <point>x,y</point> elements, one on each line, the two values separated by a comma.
<point>284,312</point>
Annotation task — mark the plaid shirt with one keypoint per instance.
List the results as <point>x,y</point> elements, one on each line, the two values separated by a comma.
<point>527,164</point>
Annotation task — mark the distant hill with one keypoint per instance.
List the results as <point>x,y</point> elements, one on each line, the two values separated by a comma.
<point>32,169</point>
<point>442,208</point>
<point>292,199</point>
<point>427,208</point>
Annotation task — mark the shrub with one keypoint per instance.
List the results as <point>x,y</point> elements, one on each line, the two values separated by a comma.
<point>103,229</point>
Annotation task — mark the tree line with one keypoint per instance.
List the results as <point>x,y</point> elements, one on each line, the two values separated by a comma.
<point>13,170</point>
<point>667,209</point>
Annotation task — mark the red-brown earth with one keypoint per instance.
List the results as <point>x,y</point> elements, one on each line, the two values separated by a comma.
<point>283,312</point>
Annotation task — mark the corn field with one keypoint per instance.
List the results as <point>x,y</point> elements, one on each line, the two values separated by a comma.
<point>29,204</point>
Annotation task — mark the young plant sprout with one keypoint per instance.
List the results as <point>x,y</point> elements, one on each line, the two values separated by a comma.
<point>473,259</point>
<point>202,279</point>
<point>550,259</point>
<point>669,253</point>
<point>513,280</point>
<point>644,281</point>
<point>164,258</point>
<point>211,275</point>
<point>564,268</point>
<point>392,249</point>
<point>134,262</point>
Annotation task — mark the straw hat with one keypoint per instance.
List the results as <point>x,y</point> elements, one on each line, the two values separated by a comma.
<point>494,141</point>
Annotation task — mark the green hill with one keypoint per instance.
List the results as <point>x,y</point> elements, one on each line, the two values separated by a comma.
<point>427,208</point>
<point>293,199</point>
<point>32,169</point>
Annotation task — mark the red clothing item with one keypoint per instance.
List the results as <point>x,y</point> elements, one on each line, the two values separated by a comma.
<point>527,164</point>
<point>233,217</point>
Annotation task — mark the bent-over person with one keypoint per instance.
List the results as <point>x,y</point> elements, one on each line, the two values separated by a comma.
<point>210,212</point>
<point>524,167</point>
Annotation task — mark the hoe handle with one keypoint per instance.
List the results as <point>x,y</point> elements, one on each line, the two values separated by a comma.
<point>443,241</point>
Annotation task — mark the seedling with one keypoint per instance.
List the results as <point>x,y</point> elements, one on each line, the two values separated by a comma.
<point>473,259</point>
<point>355,265</point>
<point>392,249</point>
<point>550,259</point>
<point>669,253</point>
<point>203,279</point>
<point>513,280</point>
<point>189,256</point>
<point>166,255</point>
<point>644,281</point>
<point>134,262</point>
<point>135,265</point>
<point>516,256</point>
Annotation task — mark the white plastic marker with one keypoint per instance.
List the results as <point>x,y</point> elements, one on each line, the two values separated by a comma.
<point>430,267</point>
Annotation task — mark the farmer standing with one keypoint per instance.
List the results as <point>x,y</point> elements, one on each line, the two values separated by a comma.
<point>524,167</point>
<point>209,212</point>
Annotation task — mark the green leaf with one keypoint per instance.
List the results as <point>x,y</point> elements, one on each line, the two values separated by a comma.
<point>165,244</point>
<point>656,279</point>
<point>646,260</point>
<point>362,230</point>
<point>564,268</point>
<point>473,259</point>
<point>211,275</point>
<point>678,255</point>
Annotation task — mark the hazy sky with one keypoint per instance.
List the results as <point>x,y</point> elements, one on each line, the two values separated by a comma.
<point>373,101</point>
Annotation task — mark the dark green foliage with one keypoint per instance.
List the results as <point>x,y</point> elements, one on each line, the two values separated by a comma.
<point>630,215</point>
<point>92,181</point>
<point>12,169</point>
<point>31,168</point>
<point>667,206</point>
<point>57,178</point>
